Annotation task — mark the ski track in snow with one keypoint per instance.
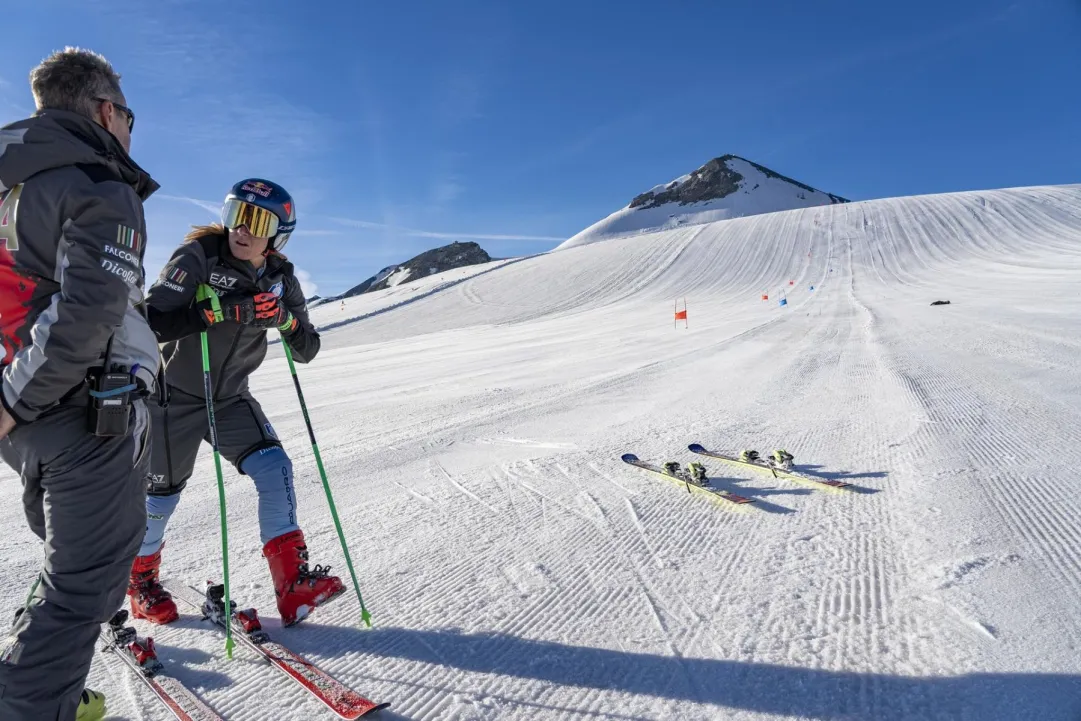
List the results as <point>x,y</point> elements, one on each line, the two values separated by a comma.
<point>471,424</point>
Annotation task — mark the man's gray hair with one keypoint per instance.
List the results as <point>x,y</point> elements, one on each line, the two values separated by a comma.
<point>74,79</point>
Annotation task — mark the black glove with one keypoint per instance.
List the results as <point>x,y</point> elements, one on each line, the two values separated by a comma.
<point>238,309</point>
<point>264,310</point>
<point>269,312</point>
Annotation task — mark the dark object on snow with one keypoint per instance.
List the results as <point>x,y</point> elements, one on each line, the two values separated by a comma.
<point>941,302</point>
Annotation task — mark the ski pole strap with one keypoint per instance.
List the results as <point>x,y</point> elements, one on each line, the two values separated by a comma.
<point>205,292</point>
<point>288,325</point>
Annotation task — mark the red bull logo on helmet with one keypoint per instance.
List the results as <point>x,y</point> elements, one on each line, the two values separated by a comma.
<point>257,187</point>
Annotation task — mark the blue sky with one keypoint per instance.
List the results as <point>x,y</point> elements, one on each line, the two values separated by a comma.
<point>402,126</point>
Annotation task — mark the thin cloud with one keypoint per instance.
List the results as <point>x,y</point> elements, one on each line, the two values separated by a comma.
<point>10,108</point>
<point>214,209</point>
<point>446,190</point>
<point>413,232</point>
<point>307,286</point>
<point>211,207</point>
<point>446,182</point>
<point>221,110</point>
<point>373,126</point>
<point>579,146</point>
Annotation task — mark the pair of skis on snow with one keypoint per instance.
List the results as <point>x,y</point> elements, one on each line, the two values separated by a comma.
<point>687,477</point>
<point>138,654</point>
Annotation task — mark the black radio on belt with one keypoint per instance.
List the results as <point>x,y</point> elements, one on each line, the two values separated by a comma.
<point>111,389</point>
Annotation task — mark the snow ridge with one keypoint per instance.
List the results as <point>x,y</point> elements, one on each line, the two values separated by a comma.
<point>726,187</point>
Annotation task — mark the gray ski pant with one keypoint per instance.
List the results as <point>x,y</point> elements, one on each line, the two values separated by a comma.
<point>85,497</point>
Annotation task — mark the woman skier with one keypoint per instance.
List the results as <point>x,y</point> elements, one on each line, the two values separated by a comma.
<point>254,290</point>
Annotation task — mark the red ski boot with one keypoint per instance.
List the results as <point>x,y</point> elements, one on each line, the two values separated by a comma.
<point>148,599</point>
<point>298,588</point>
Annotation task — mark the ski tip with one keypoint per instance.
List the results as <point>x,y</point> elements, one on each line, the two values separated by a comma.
<point>696,448</point>
<point>629,458</point>
<point>376,708</point>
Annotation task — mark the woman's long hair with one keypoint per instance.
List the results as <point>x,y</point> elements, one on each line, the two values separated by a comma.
<point>202,231</point>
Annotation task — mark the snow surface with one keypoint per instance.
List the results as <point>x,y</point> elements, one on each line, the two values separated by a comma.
<point>399,276</point>
<point>758,193</point>
<point>670,184</point>
<point>472,422</point>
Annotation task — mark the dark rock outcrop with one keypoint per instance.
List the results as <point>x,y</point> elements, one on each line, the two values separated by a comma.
<point>437,260</point>
<point>430,262</point>
<point>713,180</point>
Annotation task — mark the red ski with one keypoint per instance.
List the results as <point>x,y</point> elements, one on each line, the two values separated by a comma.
<point>338,697</point>
<point>139,656</point>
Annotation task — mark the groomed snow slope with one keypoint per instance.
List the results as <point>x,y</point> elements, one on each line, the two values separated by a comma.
<point>758,193</point>
<point>516,569</point>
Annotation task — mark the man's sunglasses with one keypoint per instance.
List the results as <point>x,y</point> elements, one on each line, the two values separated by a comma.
<point>127,111</point>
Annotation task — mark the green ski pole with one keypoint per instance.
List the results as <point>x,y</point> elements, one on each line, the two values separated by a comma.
<point>33,590</point>
<point>367,617</point>
<point>205,293</point>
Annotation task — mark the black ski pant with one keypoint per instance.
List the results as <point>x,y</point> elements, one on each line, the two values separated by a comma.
<point>180,429</point>
<point>85,497</point>
<point>245,438</point>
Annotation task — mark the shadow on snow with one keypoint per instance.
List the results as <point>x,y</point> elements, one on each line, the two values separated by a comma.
<point>763,688</point>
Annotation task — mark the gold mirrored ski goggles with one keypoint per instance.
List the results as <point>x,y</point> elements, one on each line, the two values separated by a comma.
<point>260,222</point>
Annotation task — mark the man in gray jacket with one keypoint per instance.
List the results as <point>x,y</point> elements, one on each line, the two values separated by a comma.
<point>72,238</point>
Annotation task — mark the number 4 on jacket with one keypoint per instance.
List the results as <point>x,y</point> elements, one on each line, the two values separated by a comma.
<point>9,203</point>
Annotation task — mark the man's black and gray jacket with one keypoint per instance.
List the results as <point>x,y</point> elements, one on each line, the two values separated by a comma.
<point>72,239</point>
